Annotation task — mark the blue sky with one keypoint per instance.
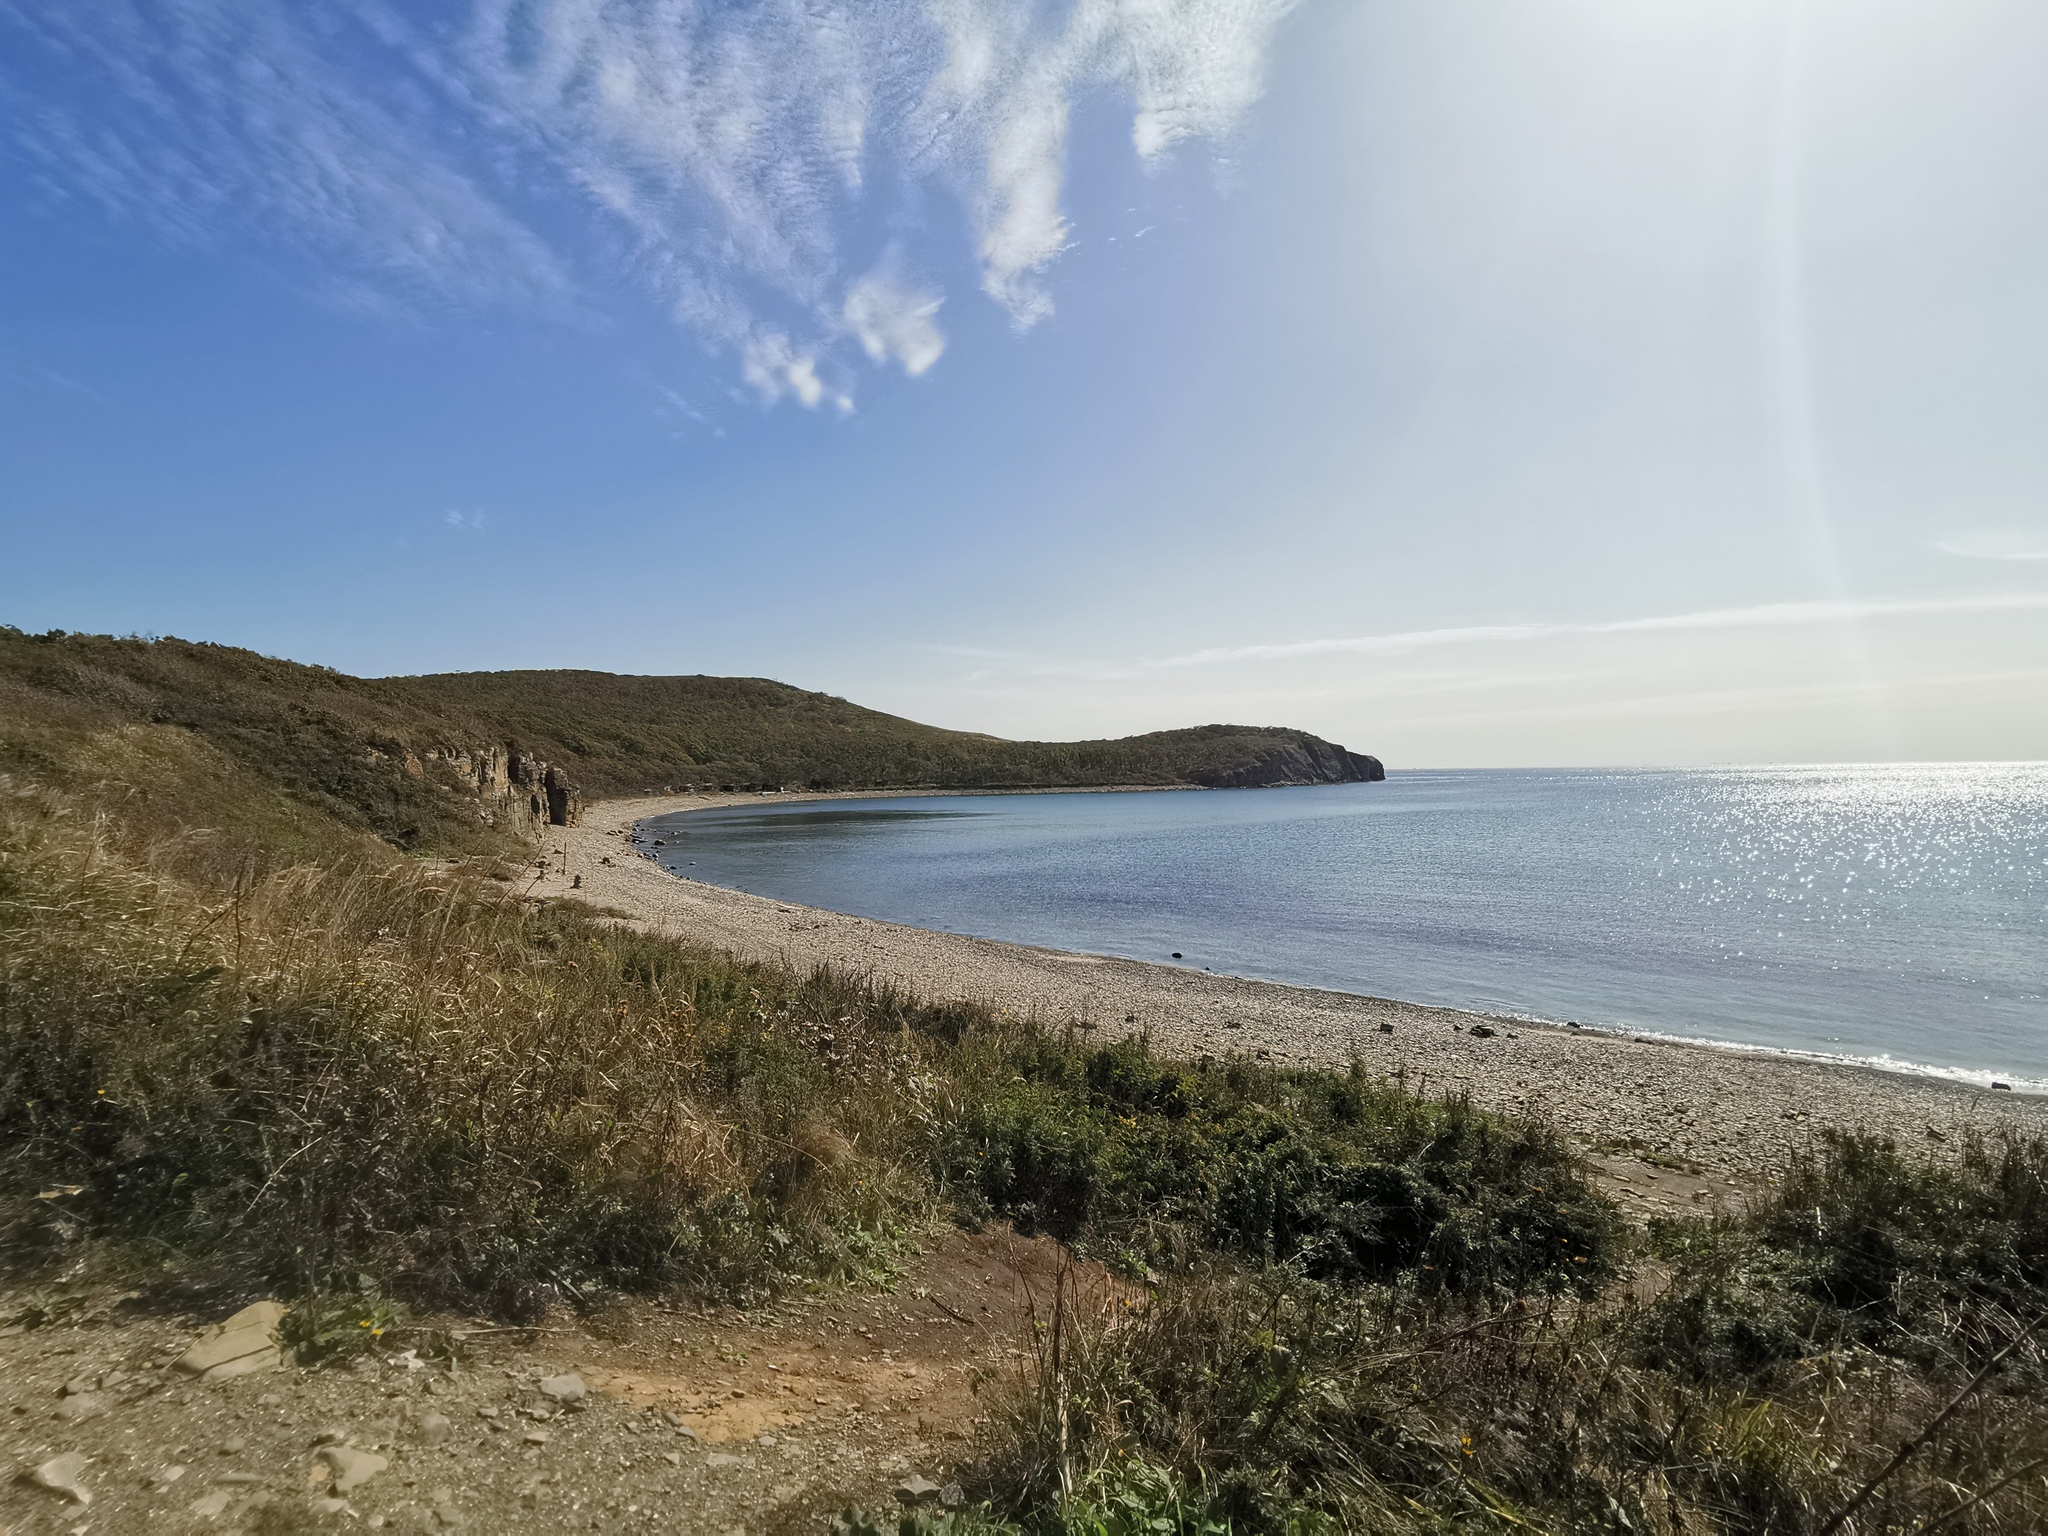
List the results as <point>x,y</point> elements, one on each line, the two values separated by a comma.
<point>1470,383</point>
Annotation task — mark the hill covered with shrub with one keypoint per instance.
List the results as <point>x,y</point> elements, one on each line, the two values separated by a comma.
<point>402,757</point>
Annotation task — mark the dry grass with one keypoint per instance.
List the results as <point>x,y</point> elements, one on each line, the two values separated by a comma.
<point>374,1064</point>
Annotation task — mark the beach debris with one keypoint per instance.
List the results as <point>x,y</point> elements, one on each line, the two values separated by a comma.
<point>63,1474</point>
<point>80,1405</point>
<point>211,1506</point>
<point>1386,1028</point>
<point>1481,1032</point>
<point>351,1468</point>
<point>243,1343</point>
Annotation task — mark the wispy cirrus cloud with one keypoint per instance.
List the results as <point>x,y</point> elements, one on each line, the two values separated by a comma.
<point>1997,546</point>
<point>1758,616</point>
<point>1402,642</point>
<point>724,155</point>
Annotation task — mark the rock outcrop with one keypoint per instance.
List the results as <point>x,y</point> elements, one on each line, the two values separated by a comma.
<point>516,789</point>
<point>1304,759</point>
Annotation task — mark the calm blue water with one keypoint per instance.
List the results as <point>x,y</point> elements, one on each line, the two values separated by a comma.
<point>1897,914</point>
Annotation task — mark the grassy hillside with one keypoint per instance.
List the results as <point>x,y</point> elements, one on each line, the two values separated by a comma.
<point>245,1045</point>
<point>364,751</point>
<point>625,733</point>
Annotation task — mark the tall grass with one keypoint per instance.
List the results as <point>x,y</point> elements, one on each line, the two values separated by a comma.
<point>366,1065</point>
<point>374,1066</point>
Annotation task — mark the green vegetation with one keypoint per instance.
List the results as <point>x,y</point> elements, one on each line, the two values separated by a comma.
<point>243,1042</point>
<point>361,752</point>
<point>365,1067</point>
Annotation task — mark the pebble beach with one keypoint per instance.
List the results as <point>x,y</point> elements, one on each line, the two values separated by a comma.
<point>1652,1111</point>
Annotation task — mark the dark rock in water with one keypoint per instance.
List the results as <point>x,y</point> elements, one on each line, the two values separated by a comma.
<point>1176,954</point>
<point>1481,1032</point>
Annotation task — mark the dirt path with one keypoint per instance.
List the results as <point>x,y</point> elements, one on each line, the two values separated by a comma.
<point>688,1420</point>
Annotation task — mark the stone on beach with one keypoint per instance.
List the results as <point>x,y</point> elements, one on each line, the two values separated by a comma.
<point>244,1343</point>
<point>351,1468</point>
<point>565,1389</point>
<point>64,1474</point>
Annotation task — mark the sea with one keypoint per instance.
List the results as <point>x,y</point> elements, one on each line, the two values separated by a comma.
<point>1895,916</point>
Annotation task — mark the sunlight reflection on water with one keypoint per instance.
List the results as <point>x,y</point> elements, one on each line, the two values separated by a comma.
<point>1896,914</point>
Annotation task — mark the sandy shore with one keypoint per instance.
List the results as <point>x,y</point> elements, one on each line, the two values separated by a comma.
<point>1733,1115</point>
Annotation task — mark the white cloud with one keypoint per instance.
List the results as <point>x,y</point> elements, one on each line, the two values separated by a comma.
<point>1997,546</point>
<point>1401,642</point>
<point>893,321</point>
<point>1009,83</point>
<point>778,370</point>
<point>1762,615</point>
<point>722,154</point>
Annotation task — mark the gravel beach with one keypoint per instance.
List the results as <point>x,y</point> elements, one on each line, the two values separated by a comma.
<point>1729,1117</point>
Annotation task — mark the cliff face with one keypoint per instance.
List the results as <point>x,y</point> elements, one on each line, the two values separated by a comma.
<point>1308,760</point>
<point>515,791</point>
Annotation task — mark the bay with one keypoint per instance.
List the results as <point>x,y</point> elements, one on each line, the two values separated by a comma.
<point>1896,915</point>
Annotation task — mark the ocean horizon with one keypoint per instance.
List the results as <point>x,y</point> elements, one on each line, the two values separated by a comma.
<point>1891,916</point>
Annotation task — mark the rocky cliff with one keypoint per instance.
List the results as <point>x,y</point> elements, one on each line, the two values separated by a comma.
<point>514,790</point>
<point>1304,760</point>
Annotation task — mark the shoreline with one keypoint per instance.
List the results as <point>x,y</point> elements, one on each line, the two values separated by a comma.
<point>1734,1112</point>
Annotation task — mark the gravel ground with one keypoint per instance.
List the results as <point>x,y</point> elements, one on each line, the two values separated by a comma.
<point>1733,1116</point>
<point>645,1418</point>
